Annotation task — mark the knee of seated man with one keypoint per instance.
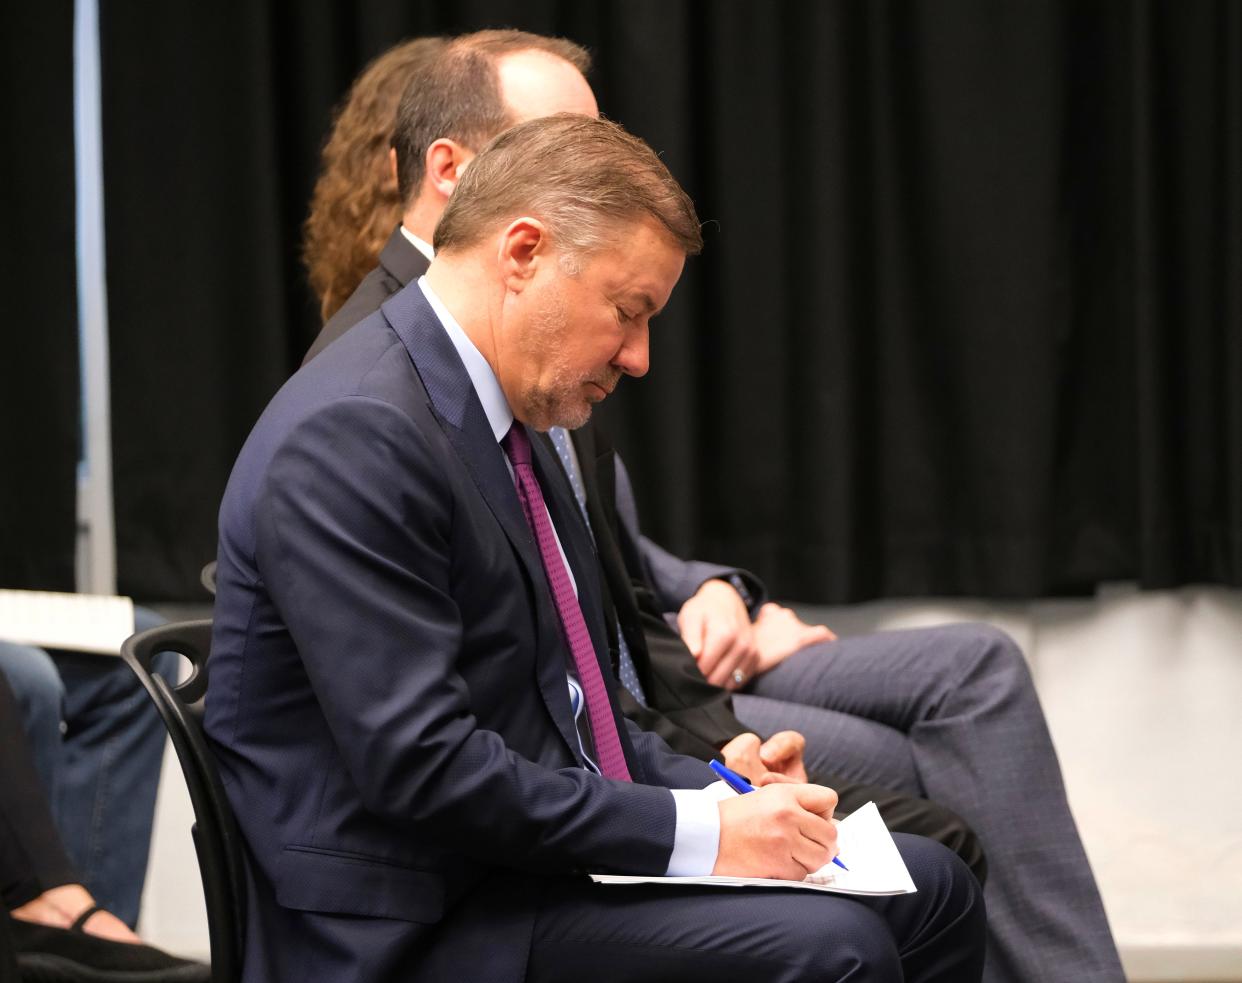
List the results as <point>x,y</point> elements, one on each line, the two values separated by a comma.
<point>940,875</point>
<point>991,651</point>
<point>852,941</point>
<point>36,684</point>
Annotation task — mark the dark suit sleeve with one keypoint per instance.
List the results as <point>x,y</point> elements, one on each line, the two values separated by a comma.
<point>355,533</point>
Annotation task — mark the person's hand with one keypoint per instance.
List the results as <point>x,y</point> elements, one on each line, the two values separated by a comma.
<point>783,831</point>
<point>782,753</point>
<point>778,759</point>
<point>715,626</point>
<point>779,633</point>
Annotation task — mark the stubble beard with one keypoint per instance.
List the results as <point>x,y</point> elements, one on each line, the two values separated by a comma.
<point>559,402</point>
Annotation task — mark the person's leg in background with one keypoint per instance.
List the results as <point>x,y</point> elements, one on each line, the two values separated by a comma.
<point>38,884</point>
<point>39,695</point>
<point>878,768</point>
<point>837,743</point>
<point>50,925</point>
<point>975,741</point>
<point>113,750</point>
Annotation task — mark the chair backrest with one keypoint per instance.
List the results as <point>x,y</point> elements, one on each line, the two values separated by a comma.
<point>221,854</point>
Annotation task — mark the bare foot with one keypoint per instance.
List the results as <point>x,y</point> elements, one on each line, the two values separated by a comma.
<point>61,906</point>
<point>107,926</point>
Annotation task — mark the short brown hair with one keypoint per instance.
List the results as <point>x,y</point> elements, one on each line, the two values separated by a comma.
<point>356,205</point>
<point>578,175</point>
<point>458,97</point>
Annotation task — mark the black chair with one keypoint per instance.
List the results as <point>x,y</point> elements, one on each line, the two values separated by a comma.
<point>221,854</point>
<point>207,576</point>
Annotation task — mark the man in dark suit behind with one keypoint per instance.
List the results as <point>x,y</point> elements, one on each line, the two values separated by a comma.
<point>409,689</point>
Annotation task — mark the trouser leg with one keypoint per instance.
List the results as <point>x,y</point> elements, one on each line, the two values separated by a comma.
<point>605,934</point>
<point>114,747</point>
<point>963,697</point>
<point>31,857</point>
<point>898,794</point>
<point>39,704</point>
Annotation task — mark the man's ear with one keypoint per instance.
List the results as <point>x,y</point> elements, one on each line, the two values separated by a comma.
<point>445,161</point>
<point>523,247</point>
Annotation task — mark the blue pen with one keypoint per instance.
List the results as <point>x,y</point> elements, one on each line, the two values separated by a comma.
<point>741,785</point>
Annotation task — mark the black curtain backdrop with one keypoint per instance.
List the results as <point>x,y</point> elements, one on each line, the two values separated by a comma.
<point>39,405</point>
<point>969,320</point>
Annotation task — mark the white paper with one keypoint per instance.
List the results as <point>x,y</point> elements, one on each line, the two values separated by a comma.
<point>866,848</point>
<point>77,622</point>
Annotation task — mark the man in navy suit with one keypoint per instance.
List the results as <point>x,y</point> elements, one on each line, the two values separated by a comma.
<point>409,691</point>
<point>475,86</point>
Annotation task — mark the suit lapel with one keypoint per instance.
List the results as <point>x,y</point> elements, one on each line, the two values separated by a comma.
<point>457,406</point>
<point>465,424</point>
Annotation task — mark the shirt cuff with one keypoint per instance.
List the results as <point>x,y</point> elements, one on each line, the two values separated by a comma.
<point>696,840</point>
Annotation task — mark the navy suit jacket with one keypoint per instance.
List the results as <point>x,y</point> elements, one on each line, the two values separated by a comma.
<point>388,692</point>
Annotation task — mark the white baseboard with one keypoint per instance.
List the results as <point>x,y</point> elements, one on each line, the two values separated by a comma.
<point>1182,963</point>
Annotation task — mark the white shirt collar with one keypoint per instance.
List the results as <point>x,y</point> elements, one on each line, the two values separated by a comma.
<point>421,245</point>
<point>481,375</point>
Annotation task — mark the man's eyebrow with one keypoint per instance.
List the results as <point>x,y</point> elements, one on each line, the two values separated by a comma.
<point>640,297</point>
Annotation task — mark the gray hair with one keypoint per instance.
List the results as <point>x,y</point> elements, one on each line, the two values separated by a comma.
<point>578,175</point>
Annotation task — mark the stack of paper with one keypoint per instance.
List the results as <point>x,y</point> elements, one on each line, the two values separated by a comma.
<point>77,622</point>
<point>866,848</point>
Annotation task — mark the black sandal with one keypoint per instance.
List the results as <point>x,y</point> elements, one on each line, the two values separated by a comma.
<point>59,955</point>
<point>79,923</point>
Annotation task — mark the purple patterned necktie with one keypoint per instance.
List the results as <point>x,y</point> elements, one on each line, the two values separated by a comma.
<point>611,758</point>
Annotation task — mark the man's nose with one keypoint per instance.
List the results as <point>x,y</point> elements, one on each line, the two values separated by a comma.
<point>633,358</point>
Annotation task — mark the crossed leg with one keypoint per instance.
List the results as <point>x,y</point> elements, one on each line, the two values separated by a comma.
<point>951,713</point>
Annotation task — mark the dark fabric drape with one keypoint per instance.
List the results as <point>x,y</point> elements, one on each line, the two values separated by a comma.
<point>39,408</point>
<point>213,120</point>
<point>968,321</point>
<point>971,321</point>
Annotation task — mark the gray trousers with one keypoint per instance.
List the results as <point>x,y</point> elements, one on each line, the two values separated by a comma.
<point>951,713</point>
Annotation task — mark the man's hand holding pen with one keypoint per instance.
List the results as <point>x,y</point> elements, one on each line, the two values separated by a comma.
<point>781,830</point>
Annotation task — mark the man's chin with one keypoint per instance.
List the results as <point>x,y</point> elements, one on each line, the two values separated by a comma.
<point>570,417</point>
<point>572,420</point>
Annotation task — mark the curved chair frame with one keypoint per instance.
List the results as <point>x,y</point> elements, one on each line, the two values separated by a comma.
<point>221,854</point>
